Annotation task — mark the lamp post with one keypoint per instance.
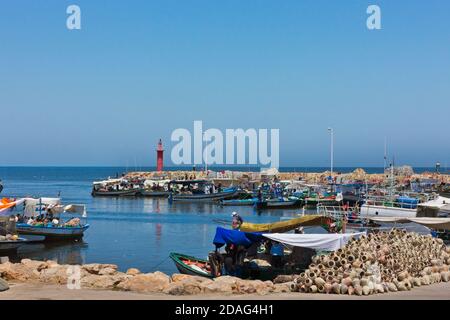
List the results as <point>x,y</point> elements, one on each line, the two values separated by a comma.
<point>331,149</point>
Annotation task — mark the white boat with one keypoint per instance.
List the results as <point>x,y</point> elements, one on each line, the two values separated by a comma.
<point>383,207</point>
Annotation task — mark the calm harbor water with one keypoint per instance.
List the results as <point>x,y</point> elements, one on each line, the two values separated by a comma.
<point>129,232</point>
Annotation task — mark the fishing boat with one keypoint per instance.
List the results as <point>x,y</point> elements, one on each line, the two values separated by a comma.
<point>42,220</point>
<point>114,188</point>
<point>279,203</point>
<point>313,202</point>
<point>191,265</point>
<point>406,206</point>
<point>251,258</point>
<point>155,188</point>
<point>199,191</point>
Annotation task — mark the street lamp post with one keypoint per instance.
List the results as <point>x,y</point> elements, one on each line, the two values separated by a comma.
<point>331,149</point>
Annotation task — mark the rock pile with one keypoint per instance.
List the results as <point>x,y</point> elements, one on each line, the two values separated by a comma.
<point>378,263</point>
<point>106,276</point>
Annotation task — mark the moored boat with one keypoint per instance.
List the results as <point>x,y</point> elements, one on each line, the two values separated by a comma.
<point>279,203</point>
<point>199,191</point>
<point>114,188</point>
<point>42,220</point>
<point>404,206</point>
<point>191,265</point>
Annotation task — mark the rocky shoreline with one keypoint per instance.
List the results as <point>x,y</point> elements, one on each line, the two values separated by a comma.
<point>107,277</point>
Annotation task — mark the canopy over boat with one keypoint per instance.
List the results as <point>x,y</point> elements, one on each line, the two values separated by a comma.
<point>109,181</point>
<point>149,182</point>
<point>433,223</point>
<point>325,242</point>
<point>225,236</point>
<point>284,226</point>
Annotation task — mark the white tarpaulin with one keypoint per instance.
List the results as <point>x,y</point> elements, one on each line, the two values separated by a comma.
<point>326,242</point>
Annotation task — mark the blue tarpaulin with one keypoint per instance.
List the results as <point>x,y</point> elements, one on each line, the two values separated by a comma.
<point>239,238</point>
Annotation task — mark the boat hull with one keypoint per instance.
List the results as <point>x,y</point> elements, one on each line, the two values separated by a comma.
<point>51,233</point>
<point>183,268</point>
<point>383,211</point>
<point>155,194</point>
<point>205,197</point>
<point>313,203</point>
<point>278,204</point>
<point>124,193</point>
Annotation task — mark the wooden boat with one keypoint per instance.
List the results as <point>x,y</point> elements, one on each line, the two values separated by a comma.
<point>205,197</point>
<point>191,265</point>
<point>115,193</point>
<point>52,232</point>
<point>313,202</point>
<point>284,226</point>
<point>152,193</point>
<point>278,204</point>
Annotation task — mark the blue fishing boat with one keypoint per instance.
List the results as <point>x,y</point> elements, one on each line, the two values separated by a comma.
<point>50,232</point>
<point>43,220</point>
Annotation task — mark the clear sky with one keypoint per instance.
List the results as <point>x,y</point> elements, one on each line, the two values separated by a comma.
<point>137,70</point>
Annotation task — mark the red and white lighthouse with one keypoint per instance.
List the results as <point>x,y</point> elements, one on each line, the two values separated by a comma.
<point>159,156</point>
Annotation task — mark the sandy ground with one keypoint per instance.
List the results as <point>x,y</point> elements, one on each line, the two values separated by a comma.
<point>24,291</point>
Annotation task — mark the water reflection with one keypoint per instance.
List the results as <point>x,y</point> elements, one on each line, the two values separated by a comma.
<point>64,253</point>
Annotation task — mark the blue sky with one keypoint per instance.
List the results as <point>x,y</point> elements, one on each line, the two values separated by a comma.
<point>137,70</point>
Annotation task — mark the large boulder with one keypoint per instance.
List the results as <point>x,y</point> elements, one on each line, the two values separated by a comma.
<point>34,264</point>
<point>56,274</point>
<point>18,272</point>
<point>281,287</point>
<point>133,271</point>
<point>222,285</point>
<point>149,282</point>
<point>3,285</point>
<point>98,268</point>
<point>103,281</point>
<point>254,286</point>
<point>186,285</point>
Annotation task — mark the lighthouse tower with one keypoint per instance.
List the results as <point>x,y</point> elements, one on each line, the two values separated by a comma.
<point>159,156</point>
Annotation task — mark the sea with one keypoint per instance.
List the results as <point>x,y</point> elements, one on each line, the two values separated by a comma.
<point>131,232</point>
